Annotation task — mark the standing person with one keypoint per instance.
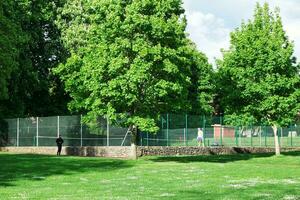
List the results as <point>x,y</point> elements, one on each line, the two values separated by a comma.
<point>200,137</point>
<point>59,142</point>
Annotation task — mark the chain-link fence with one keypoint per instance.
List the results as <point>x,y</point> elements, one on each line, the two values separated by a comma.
<point>175,130</point>
<point>43,131</point>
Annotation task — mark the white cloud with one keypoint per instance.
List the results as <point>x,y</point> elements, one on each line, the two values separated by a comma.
<point>211,21</point>
<point>290,13</point>
<point>208,32</point>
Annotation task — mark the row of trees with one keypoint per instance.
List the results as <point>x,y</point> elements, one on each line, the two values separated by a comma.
<point>134,57</point>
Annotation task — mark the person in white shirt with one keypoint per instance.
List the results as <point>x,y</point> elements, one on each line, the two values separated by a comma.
<point>200,137</point>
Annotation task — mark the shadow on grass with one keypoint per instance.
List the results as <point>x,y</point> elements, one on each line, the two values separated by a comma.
<point>218,158</point>
<point>15,167</point>
<point>292,153</point>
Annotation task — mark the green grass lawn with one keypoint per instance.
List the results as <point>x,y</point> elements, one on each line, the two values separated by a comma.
<point>191,177</point>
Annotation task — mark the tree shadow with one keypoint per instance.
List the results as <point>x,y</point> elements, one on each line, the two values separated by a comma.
<point>291,153</point>
<point>16,167</point>
<point>217,158</point>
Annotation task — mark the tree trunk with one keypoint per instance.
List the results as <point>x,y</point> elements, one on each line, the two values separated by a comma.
<point>277,146</point>
<point>133,142</point>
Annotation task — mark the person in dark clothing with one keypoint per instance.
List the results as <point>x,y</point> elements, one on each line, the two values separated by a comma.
<point>59,142</point>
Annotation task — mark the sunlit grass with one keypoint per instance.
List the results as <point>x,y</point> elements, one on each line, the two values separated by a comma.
<point>188,177</point>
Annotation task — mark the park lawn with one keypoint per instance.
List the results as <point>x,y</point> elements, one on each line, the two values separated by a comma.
<point>24,176</point>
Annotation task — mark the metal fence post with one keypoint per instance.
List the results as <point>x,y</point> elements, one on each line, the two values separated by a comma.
<point>81,130</point>
<point>236,136</point>
<point>162,125</point>
<point>204,122</point>
<point>162,128</point>
<point>147,139</point>
<point>107,131</point>
<point>57,126</point>
<point>167,129</point>
<point>291,138</point>
<point>281,135</point>
<point>184,139</point>
<point>221,135</point>
<point>240,136</point>
<point>278,137</point>
<point>221,130</point>
<point>186,128</point>
<point>266,136</point>
<point>251,139</point>
<point>18,131</point>
<point>37,131</point>
<point>260,131</point>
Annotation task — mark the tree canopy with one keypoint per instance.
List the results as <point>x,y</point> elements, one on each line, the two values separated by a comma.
<point>10,29</point>
<point>259,78</point>
<point>30,47</point>
<point>132,59</point>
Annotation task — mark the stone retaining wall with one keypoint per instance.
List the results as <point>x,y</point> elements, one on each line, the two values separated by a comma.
<point>125,152</point>
<point>122,152</point>
<point>171,151</point>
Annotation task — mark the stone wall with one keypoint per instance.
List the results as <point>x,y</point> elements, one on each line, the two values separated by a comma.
<point>170,151</point>
<point>114,151</point>
<point>125,152</point>
<point>122,152</point>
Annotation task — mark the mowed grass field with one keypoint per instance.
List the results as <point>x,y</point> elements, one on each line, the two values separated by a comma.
<point>261,176</point>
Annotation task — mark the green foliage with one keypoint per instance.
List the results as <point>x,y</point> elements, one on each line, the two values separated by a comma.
<point>131,57</point>
<point>10,37</point>
<point>202,84</point>
<point>258,77</point>
<point>32,47</point>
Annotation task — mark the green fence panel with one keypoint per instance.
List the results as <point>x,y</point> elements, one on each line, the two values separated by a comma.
<point>27,131</point>
<point>11,130</point>
<point>174,130</point>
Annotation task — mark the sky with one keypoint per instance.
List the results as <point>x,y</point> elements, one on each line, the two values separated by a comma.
<point>211,21</point>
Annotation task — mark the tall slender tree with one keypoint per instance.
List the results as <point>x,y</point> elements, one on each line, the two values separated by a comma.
<point>259,78</point>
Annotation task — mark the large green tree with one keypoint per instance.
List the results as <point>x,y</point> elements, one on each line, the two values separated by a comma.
<point>259,78</point>
<point>45,51</point>
<point>10,38</point>
<point>13,40</point>
<point>131,59</point>
<point>30,47</point>
<point>202,86</point>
